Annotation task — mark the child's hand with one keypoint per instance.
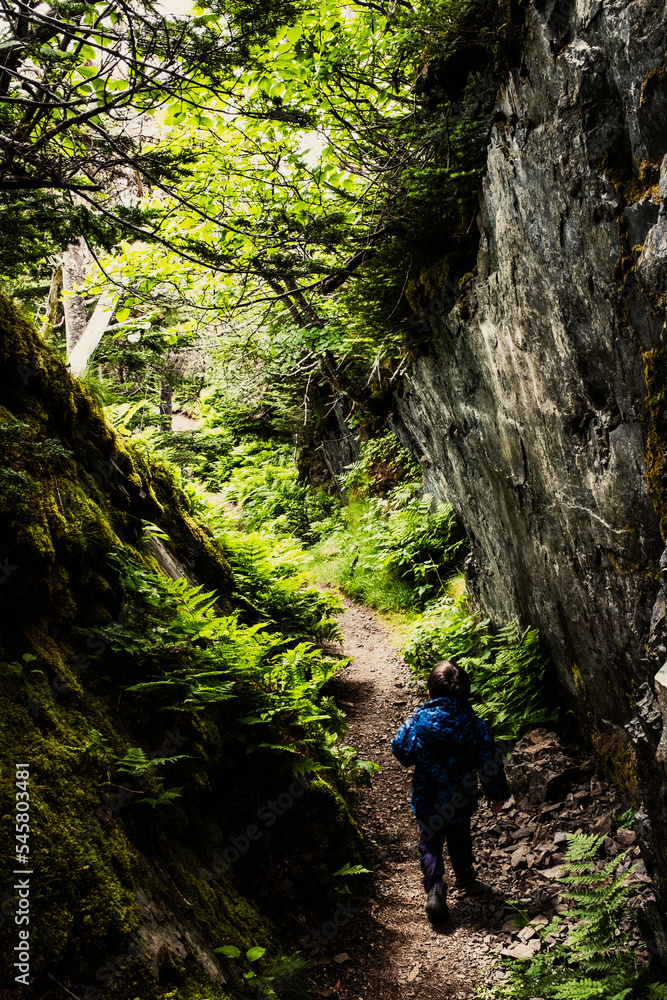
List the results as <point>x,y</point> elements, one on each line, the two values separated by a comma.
<point>495,806</point>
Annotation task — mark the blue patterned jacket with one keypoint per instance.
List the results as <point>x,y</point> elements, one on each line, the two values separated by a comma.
<point>449,746</point>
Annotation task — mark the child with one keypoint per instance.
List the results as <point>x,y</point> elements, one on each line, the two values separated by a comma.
<point>449,746</point>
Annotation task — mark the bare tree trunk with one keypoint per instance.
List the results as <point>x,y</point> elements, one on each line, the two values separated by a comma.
<point>74,272</point>
<point>166,394</point>
<point>307,310</point>
<point>297,318</point>
<point>52,302</point>
<point>81,353</point>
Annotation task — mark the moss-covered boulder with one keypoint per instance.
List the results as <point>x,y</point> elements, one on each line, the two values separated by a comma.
<point>118,888</point>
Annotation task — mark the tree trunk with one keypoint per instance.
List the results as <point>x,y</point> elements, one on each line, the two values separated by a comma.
<point>52,303</point>
<point>80,355</point>
<point>166,393</point>
<point>74,272</point>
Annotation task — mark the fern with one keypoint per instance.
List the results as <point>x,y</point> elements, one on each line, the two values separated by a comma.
<point>596,961</point>
<point>349,869</point>
<point>269,589</point>
<point>136,762</point>
<point>507,668</point>
<point>162,799</point>
<point>194,659</point>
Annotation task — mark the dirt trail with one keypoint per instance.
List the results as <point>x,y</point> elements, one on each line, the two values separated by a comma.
<point>388,949</point>
<point>393,950</point>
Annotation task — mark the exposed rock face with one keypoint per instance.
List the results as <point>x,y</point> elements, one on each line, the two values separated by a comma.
<point>531,411</point>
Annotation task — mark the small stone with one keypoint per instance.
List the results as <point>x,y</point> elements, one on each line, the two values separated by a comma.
<point>526,933</point>
<point>523,832</point>
<point>625,837</point>
<point>602,825</point>
<point>552,873</point>
<point>522,949</point>
<point>519,858</point>
<point>342,957</point>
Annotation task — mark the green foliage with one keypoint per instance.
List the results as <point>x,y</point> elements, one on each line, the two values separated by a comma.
<point>36,225</point>
<point>163,798</point>
<point>626,819</point>
<point>270,590</point>
<point>391,553</point>
<point>135,761</point>
<point>596,961</point>
<point>98,749</point>
<point>416,542</point>
<point>349,869</point>
<point>352,767</point>
<point>284,977</point>
<point>203,455</point>
<point>382,466</point>
<point>263,481</point>
<point>194,659</point>
<point>507,667</point>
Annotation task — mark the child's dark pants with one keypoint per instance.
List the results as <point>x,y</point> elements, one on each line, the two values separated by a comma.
<point>459,845</point>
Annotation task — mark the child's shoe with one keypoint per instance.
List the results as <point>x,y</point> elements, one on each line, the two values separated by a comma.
<point>436,903</point>
<point>465,879</point>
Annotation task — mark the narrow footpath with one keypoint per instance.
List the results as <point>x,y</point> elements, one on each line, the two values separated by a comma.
<point>394,951</point>
<point>388,949</point>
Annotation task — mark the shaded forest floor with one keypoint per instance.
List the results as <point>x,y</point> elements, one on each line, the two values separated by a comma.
<point>386,948</point>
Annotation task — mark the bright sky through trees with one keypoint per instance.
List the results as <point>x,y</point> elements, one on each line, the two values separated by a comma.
<point>177,7</point>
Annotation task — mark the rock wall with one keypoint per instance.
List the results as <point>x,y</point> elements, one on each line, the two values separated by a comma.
<point>538,409</point>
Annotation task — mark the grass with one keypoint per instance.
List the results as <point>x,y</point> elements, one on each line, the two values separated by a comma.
<point>360,556</point>
<point>349,558</point>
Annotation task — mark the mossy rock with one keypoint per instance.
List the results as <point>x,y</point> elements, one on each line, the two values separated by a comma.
<point>72,492</point>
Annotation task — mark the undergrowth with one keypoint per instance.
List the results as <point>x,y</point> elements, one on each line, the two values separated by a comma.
<point>595,961</point>
<point>508,670</point>
<point>393,549</point>
<point>262,480</point>
<point>392,554</point>
<point>178,653</point>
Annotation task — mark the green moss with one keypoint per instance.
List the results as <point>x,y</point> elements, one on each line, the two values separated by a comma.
<point>618,761</point>
<point>429,285</point>
<point>634,181</point>
<point>656,441</point>
<point>654,81</point>
<point>73,493</point>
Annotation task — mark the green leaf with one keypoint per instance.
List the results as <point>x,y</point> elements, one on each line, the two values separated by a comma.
<point>253,954</point>
<point>229,951</point>
<point>349,869</point>
<point>122,315</point>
